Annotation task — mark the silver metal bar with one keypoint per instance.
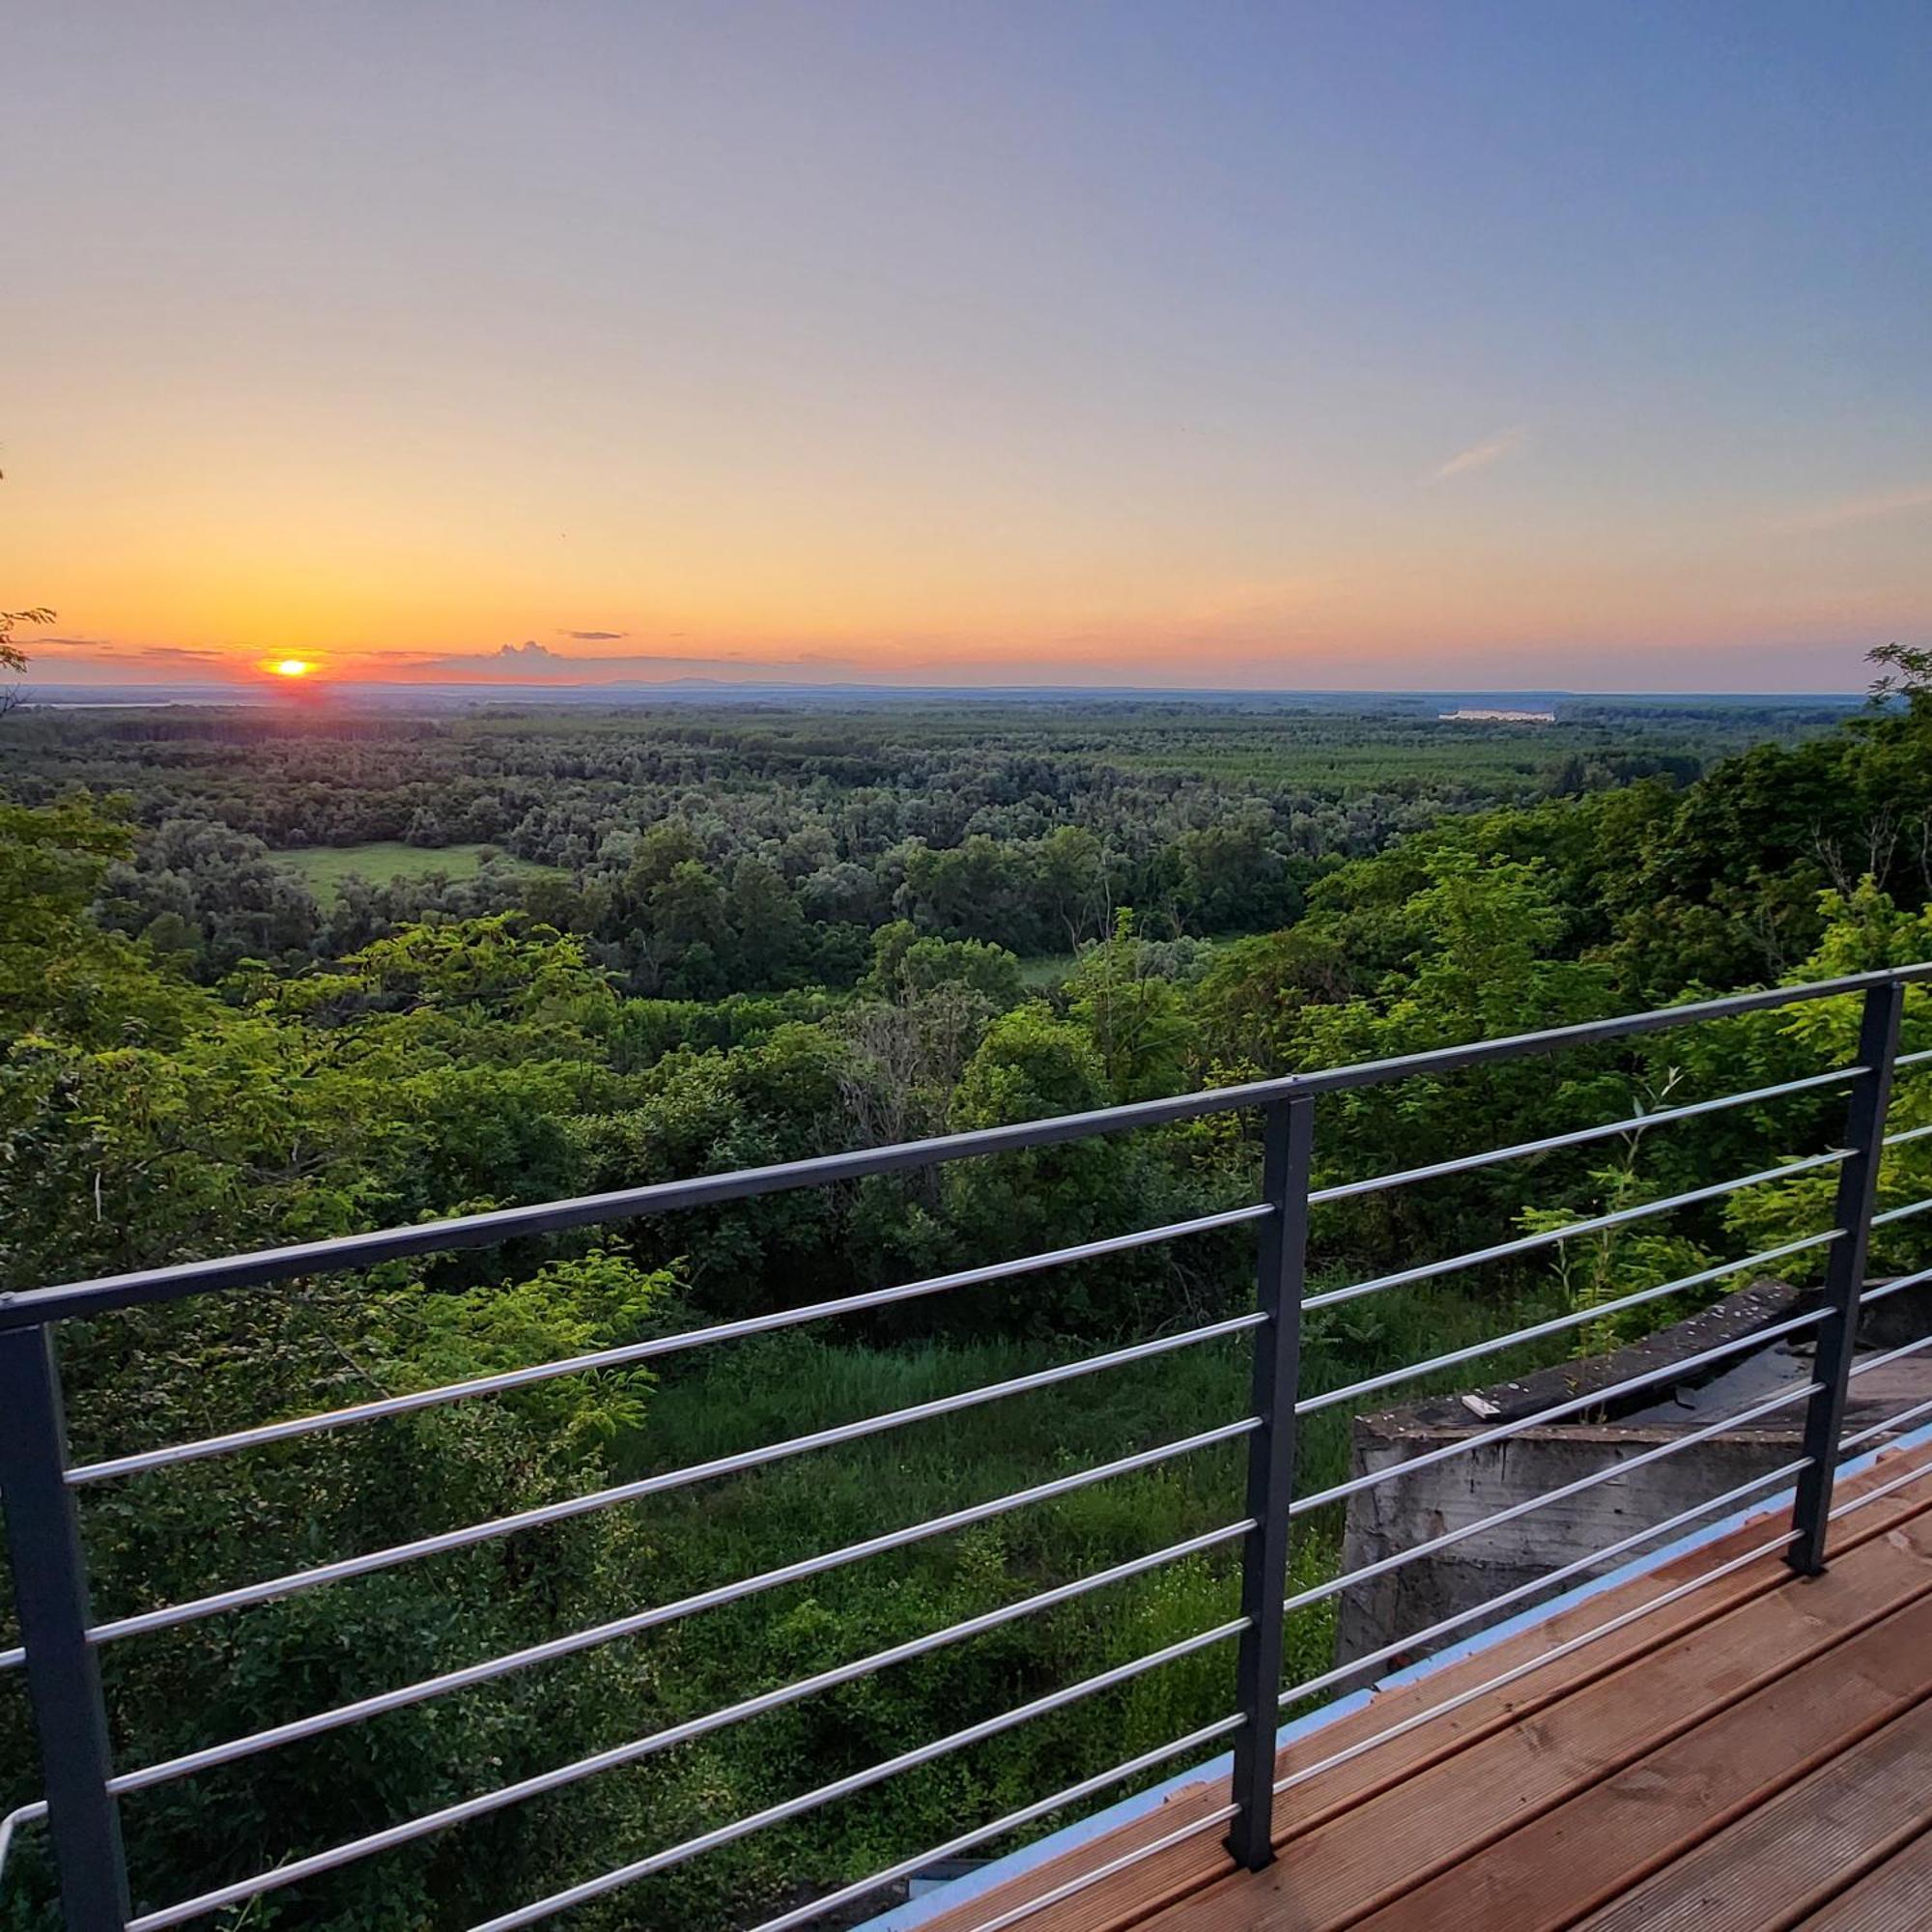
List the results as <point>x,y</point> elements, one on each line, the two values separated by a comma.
<point>460,1680</point>
<point>1906,1135</point>
<point>1912,1475</point>
<point>1671,1372</point>
<point>1531,1664</point>
<point>1896,1286</point>
<point>1904,1213</point>
<point>1577,1318</point>
<point>146,1285</point>
<point>1377,1184</point>
<point>1596,1223</point>
<point>1405,1646</point>
<point>649,1486</point>
<point>1918,1059</point>
<point>858,1781</point>
<point>643,1351</point>
<point>1026,1814</point>
<point>1885,1427</point>
<point>22,1814</point>
<point>642,1620</point>
<point>1871,1362</point>
<point>637,1749</point>
<point>9,1658</point>
<point>1126,1861</point>
<point>1334,1587</point>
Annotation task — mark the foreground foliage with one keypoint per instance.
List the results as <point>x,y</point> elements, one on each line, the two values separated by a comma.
<point>160,1102</point>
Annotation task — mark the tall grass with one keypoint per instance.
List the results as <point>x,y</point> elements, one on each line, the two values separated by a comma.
<point>780,1386</point>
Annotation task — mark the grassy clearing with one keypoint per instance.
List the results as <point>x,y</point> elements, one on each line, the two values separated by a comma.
<point>383,860</point>
<point>1043,971</point>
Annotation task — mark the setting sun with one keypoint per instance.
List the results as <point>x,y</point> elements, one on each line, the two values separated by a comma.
<point>291,666</point>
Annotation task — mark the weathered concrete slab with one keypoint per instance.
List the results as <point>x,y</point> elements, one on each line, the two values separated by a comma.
<point>1406,1510</point>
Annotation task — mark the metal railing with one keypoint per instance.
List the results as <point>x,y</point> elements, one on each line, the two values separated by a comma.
<point>61,1639</point>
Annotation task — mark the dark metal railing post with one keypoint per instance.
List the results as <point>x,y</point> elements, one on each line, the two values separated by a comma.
<point>1288,1139</point>
<point>1845,1272</point>
<point>62,1675</point>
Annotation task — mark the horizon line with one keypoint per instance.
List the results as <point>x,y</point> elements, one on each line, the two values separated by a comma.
<point>317,693</point>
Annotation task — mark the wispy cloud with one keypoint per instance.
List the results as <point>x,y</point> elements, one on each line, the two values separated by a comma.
<point>594,636</point>
<point>103,650</point>
<point>1480,455</point>
<point>1863,510</point>
<point>533,663</point>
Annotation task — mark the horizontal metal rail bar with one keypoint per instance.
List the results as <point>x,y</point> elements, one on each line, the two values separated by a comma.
<point>1026,1814</point>
<point>1670,1371</point>
<point>1377,1184</point>
<point>1898,1285</point>
<point>1407,1646</point>
<point>1904,1213</point>
<point>1555,1325</point>
<point>469,1231</point>
<point>1918,1059</point>
<point>1858,1368</point>
<point>1917,1474</point>
<point>138,1781</point>
<point>1530,1665</point>
<point>1334,1587</point>
<point>1526,1243</point>
<point>22,1814</point>
<point>412,1829</point>
<point>1073,1887</point>
<point>1885,1428</point>
<point>859,1781</point>
<point>251,1593</point>
<point>1870,1362</point>
<point>248,1594</point>
<point>639,1621</point>
<point>642,1352</point>
<point>1905,1135</point>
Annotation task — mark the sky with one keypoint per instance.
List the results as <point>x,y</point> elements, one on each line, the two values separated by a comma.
<point>1280,346</point>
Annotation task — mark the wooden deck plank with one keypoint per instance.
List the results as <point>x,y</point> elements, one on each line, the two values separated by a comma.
<point>1139,1895</point>
<point>1379,1849</point>
<point>1768,1870</point>
<point>1613,1834</point>
<point>1301,1809</point>
<point>1894,1898</point>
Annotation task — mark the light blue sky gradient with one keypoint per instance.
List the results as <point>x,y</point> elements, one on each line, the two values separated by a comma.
<point>1279,345</point>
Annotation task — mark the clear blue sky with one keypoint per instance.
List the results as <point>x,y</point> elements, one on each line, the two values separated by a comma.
<point>1165,344</point>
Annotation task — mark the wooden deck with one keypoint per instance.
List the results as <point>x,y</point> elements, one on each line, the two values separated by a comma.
<point>1756,1753</point>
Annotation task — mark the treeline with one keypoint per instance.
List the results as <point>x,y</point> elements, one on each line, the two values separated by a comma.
<point>700,855</point>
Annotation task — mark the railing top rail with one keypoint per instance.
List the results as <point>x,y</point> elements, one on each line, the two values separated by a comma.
<point>469,1230</point>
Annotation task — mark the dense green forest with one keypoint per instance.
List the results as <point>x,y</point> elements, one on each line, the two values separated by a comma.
<point>722,938</point>
<point>701,851</point>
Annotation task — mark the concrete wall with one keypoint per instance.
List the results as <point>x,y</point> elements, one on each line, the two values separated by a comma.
<point>1398,1515</point>
<point>1407,1510</point>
